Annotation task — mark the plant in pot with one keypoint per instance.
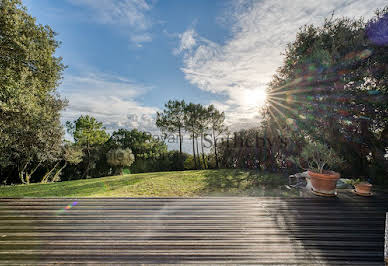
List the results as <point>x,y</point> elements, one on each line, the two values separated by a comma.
<point>362,186</point>
<point>318,157</point>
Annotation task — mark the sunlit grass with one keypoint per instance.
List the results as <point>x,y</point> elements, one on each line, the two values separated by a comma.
<point>161,184</point>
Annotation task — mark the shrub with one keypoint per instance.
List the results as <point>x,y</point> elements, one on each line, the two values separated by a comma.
<point>317,156</point>
<point>120,158</point>
<point>189,163</point>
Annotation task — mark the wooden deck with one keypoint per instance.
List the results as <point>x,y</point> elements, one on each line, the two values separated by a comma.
<point>275,231</point>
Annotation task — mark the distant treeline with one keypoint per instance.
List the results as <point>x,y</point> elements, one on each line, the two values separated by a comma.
<point>197,121</point>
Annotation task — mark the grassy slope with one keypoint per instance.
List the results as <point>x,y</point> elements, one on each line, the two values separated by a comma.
<point>162,184</point>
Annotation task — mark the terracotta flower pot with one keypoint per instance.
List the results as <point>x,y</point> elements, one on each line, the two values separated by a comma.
<point>363,188</point>
<point>324,183</point>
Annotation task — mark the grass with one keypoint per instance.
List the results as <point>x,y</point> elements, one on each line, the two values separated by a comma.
<point>160,184</point>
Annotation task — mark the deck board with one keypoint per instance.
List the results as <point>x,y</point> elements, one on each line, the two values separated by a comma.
<point>346,230</point>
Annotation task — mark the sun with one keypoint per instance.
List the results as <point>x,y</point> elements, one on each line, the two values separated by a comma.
<point>255,98</point>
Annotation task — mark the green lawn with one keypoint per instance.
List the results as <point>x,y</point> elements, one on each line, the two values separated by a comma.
<point>161,184</point>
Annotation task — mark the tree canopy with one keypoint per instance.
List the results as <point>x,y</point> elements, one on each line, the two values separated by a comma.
<point>30,128</point>
<point>171,120</point>
<point>120,158</point>
<point>332,87</point>
<point>87,133</point>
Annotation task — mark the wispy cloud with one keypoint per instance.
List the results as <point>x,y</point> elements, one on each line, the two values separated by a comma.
<point>130,15</point>
<point>110,99</point>
<point>245,63</point>
<point>187,41</point>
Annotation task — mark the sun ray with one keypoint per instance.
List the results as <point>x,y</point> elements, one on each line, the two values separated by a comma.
<point>291,91</point>
<point>284,106</point>
<point>279,111</point>
<point>290,122</point>
<point>302,122</point>
<point>292,83</point>
<point>284,100</point>
<point>274,117</point>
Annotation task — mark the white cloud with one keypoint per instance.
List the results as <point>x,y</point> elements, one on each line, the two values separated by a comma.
<point>187,41</point>
<point>129,15</point>
<point>110,99</point>
<point>242,66</point>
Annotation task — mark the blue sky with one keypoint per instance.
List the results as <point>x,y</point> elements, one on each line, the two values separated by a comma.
<point>126,58</point>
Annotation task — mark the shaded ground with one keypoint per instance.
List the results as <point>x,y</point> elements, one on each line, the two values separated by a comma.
<point>162,184</point>
<point>347,230</point>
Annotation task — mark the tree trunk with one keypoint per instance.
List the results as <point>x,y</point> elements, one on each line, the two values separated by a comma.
<point>215,149</point>
<point>29,174</point>
<point>47,175</point>
<point>56,176</point>
<point>198,154</point>
<point>24,176</point>
<point>88,164</point>
<point>181,163</point>
<point>21,177</point>
<point>21,172</point>
<point>203,153</point>
<point>180,141</point>
<point>195,160</point>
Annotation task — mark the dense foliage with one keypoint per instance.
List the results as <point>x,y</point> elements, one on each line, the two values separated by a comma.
<point>333,88</point>
<point>89,134</point>
<point>30,128</point>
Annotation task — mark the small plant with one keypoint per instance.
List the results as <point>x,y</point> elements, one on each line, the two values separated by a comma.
<point>317,156</point>
<point>355,182</point>
<point>361,186</point>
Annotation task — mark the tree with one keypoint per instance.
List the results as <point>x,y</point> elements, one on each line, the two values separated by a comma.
<point>147,149</point>
<point>171,120</point>
<point>338,71</point>
<point>191,126</point>
<point>203,127</point>
<point>30,129</point>
<point>317,157</point>
<point>175,159</point>
<point>217,125</point>
<point>196,120</point>
<point>87,133</point>
<point>142,144</point>
<point>243,150</point>
<point>120,158</point>
<point>71,154</point>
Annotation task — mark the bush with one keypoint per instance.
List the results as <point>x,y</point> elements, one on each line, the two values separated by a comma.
<point>317,156</point>
<point>120,158</point>
<point>176,160</point>
<point>189,162</point>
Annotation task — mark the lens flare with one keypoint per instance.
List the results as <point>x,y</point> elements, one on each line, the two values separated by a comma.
<point>377,31</point>
<point>68,207</point>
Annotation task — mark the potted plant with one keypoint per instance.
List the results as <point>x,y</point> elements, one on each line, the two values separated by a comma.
<point>318,158</point>
<point>362,187</point>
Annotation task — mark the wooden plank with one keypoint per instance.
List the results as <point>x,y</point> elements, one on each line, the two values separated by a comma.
<point>263,231</point>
